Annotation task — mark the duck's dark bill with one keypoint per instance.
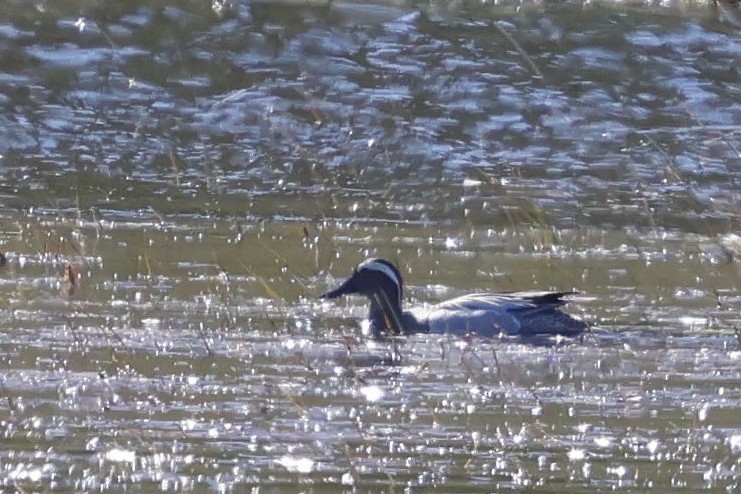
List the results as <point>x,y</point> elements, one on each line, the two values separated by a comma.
<point>341,290</point>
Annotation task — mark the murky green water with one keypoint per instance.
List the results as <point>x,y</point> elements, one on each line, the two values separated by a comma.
<point>179,181</point>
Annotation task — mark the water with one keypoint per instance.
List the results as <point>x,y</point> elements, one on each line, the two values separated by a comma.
<point>179,183</point>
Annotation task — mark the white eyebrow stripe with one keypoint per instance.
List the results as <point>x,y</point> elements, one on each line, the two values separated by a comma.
<point>374,265</point>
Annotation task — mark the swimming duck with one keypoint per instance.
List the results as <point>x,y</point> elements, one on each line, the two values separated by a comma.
<point>485,314</point>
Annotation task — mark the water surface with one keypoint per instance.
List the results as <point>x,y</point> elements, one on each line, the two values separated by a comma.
<point>179,182</point>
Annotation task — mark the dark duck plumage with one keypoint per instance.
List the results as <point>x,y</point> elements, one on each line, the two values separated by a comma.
<point>485,314</point>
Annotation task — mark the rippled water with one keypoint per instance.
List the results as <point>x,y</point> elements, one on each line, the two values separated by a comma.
<point>178,182</point>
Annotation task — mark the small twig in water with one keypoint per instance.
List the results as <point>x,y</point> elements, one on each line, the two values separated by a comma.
<point>71,276</point>
<point>8,398</point>
<point>203,335</point>
<point>496,361</point>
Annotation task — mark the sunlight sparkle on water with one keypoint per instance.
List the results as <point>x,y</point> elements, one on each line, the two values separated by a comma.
<point>21,473</point>
<point>81,24</point>
<point>653,446</point>
<point>120,455</point>
<point>347,479</point>
<point>297,464</point>
<point>371,393</point>
<point>702,414</point>
<point>735,442</point>
<point>577,454</point>
<point>149,323</point>
<point>693,322</point>
<point>603,442</point>
<point>619,470</point>
<point>452,243</point>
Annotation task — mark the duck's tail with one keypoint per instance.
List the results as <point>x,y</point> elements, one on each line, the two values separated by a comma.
<point>544,298</point>
<point>544,316</point>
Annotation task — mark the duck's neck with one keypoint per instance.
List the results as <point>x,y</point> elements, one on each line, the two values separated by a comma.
<point>385,313</point>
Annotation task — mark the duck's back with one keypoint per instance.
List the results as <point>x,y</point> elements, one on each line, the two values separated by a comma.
<point>490,314</point>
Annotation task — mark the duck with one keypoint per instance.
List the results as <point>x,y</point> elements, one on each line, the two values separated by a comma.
<point>523,314</point>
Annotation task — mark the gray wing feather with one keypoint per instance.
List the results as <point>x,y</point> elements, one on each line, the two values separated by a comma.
<point>490,314</point>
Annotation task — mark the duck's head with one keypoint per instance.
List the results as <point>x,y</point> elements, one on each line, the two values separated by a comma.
<point>370,277</point>
<point>381,282</point>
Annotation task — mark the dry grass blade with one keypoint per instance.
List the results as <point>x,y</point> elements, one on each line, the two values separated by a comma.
<point>284,262</point>
<point>392,319</point>
<point>534,68</point>
<point>265,285</point>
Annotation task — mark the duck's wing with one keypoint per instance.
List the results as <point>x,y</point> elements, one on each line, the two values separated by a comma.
<point>505,301</point>
<point>485,314</point>
<point>490,314</point>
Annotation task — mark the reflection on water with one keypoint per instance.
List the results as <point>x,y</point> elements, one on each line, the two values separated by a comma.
<point>192,354</point>
<point>179,182</point>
